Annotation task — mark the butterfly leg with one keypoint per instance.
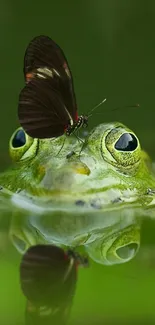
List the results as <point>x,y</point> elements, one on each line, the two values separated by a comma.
<point>61,147</point>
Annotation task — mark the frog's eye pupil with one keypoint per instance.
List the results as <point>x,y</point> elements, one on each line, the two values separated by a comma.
<point>126,142</point>
<point>19,139</point>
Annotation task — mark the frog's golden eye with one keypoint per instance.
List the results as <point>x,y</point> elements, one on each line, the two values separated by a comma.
<point>22,146</point>
<point>121,147</point>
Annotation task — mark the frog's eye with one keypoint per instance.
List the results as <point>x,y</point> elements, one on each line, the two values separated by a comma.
<point>19,139</point>
<point>121,147</point>
<point>22,146</point>
<point>126,142</point>
<point>120,247</point>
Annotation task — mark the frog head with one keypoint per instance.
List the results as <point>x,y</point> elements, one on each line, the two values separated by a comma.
<point>90,192</point>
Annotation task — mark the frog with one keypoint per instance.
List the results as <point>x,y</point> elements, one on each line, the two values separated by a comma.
<point>89,193</point>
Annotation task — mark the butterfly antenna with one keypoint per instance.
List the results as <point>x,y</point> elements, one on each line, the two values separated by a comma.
<point>89,113</point>
<point>131,106</point>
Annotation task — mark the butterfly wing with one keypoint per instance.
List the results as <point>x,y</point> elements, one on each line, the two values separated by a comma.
<point>41,110</point>
<point>45,64</point>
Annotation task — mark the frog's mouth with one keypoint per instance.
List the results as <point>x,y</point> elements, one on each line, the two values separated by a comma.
<point>90,202</point>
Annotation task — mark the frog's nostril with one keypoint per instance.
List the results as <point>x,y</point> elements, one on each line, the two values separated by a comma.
<point>128,251</point>
<point>19,243</point>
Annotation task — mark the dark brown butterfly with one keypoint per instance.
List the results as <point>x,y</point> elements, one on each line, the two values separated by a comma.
<point>48,277</point>
<point>47,104</point>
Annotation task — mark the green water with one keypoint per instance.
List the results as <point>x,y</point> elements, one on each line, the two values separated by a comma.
<point>110,46</point>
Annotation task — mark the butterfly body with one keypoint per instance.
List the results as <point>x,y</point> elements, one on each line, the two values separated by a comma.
<point>82,121</point>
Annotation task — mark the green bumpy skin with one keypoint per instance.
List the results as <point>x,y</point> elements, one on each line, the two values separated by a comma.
<point>80,194</point>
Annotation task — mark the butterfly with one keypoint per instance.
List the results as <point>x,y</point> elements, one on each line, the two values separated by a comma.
<point>47,104</point>
<point>48,278</point>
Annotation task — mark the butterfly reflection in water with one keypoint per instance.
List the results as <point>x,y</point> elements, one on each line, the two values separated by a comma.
<point>48,277</point>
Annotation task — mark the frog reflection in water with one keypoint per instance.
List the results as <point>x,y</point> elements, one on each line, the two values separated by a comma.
<point>91,198</point>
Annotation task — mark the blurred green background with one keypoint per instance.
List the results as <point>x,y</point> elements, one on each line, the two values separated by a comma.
<point>110,46</point>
